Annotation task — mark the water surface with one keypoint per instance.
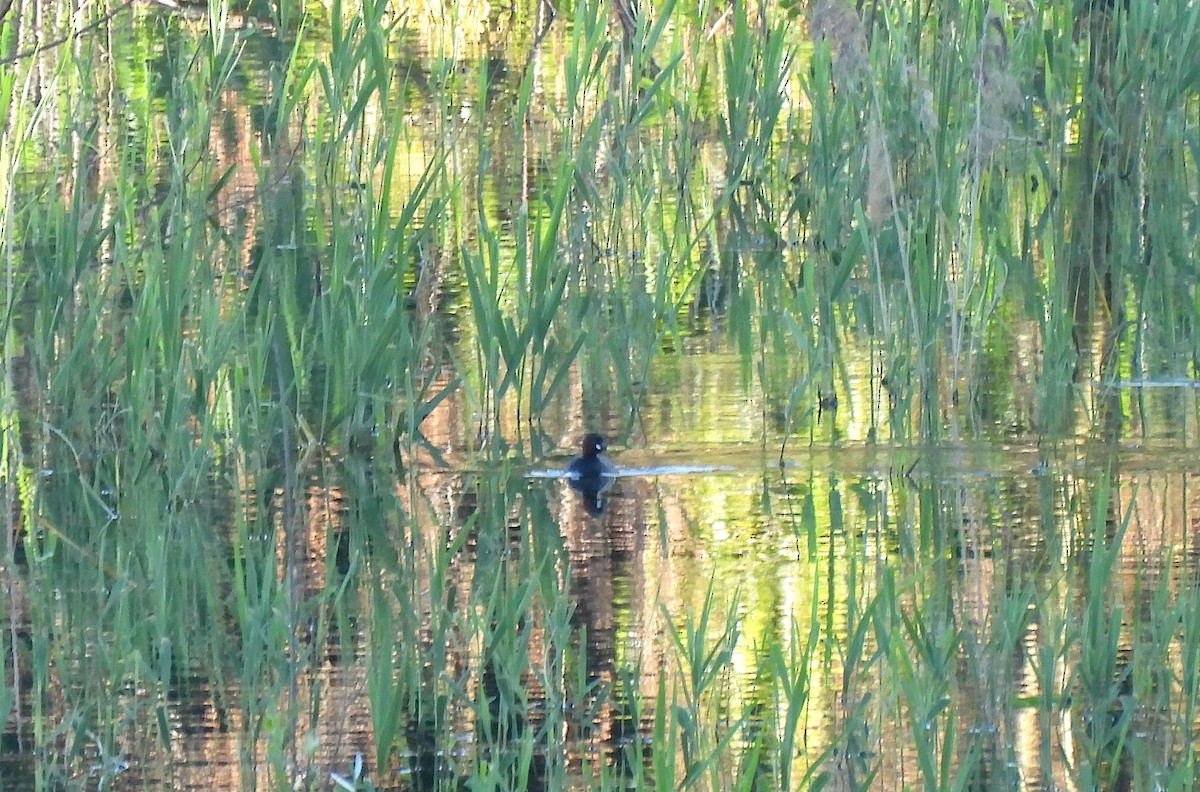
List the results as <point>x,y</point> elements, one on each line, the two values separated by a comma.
<point>304,329</point>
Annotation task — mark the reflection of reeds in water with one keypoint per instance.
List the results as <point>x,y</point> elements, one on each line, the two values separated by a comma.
<point>445,26</point>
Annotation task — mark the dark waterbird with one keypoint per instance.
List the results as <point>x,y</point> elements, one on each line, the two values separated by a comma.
<point>591,474</point>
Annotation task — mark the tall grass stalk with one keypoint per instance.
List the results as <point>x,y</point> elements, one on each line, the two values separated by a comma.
<point>521,344</point>
<point>702,661</point>
<point>1102,675</point>
<point>790,672</point>
<point>17,473</point>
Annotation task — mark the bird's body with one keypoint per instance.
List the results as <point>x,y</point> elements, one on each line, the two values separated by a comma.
<point>591,462</point>
<point>590,474</point>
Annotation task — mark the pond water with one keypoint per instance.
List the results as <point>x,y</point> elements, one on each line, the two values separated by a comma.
<point>306,324</point>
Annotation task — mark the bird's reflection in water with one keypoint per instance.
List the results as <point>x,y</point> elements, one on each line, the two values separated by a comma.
<point>591,491</point>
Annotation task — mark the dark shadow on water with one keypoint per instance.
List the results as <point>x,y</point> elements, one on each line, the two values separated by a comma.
<point>591,490</point>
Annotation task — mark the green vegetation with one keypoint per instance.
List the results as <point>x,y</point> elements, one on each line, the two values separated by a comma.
<point>296,294</point>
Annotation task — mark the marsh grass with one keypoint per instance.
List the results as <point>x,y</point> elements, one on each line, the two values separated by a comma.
<point>194,339</point>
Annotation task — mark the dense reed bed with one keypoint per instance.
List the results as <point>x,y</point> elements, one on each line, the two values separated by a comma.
<point>296,293</point>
